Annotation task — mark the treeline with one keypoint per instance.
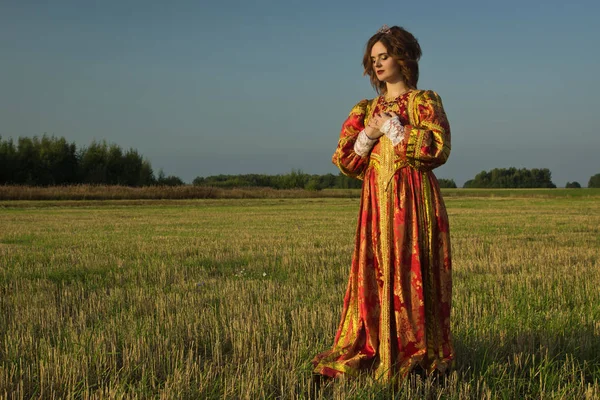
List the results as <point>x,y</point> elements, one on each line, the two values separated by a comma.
<point>506,178</point>
<point>512,178</point>
<point>294,180</point>
<point>50,161</point>
<point>594,182</point>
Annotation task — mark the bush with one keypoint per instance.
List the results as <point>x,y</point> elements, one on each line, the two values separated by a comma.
<point>573,185</point>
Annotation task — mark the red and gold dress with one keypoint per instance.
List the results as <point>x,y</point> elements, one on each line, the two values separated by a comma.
<point>396,310</point>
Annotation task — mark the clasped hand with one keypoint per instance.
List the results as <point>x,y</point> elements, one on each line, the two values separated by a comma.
<point>376,122</point>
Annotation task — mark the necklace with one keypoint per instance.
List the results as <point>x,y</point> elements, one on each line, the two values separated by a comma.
<point>389,104</point>
<point>393,100</point>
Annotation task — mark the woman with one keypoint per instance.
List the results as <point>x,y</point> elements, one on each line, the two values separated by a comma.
<point>396,313</point>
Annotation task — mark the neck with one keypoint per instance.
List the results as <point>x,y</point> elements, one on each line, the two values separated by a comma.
<point>395,89</point>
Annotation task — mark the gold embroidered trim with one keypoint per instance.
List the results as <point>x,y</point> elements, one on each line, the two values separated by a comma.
<point>375,162</point>
<point>386,172</point>
<point>387,166</point>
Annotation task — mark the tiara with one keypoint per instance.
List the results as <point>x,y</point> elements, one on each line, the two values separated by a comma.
<point>384,29</point>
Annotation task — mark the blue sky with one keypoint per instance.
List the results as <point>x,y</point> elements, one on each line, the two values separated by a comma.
<point>236,87</point>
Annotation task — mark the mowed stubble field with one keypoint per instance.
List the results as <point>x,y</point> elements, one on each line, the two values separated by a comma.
<point>230,299</point>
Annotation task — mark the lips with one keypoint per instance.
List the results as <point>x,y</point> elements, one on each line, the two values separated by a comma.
<point>379,72</point>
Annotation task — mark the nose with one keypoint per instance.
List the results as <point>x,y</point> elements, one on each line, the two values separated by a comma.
<point>378,62</point>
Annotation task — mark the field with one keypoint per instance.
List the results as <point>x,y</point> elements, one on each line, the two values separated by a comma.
<point>231,298</point>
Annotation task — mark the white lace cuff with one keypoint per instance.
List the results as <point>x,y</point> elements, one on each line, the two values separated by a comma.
<point>393,129</point>
<point>363,144</point>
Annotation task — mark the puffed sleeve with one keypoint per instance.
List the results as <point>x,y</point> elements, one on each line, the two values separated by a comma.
<point>428,141</point>
<point>345,157</point>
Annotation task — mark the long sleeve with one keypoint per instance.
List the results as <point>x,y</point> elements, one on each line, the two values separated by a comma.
<point>364,144</point>
<point>345,157</point>
<point>428,141</point>
<point>394,130</point>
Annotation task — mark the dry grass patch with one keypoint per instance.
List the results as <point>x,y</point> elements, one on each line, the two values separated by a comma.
<point>232,298</point>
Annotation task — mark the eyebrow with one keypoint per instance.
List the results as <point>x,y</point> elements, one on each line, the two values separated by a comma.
<point>380,54</point>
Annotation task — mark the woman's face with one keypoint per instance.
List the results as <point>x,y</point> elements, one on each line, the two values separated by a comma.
<point>386,68</point>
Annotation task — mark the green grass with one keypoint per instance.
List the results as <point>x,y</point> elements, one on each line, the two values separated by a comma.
<point>544,193</point>
<point>232,298</point>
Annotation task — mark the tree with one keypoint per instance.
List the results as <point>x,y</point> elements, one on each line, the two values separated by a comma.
<point>8,161</point>
<point>170,180</point>
<point>295,180</point>
<point>313,184</point>
<point>146,174</point>
<point>447,183</point>
<point>135,171</point>
<point>512,178</point>
<point>27,161</point>
<point>327,181</point>
<point>114,165</point>
<point>53,161</point>
<point>345,182</point>
<point>573,185</point>
<point>594,181</point>
<point>198,181</point>
<point>93,163</point>
<point>59,158</point>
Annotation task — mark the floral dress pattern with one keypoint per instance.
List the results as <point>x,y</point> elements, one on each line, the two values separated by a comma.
<point>396,311</point>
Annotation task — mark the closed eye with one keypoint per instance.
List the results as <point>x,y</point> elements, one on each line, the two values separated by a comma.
<point>381,56</point>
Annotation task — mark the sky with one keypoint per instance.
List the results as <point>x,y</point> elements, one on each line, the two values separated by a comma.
<point>234,87</point>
